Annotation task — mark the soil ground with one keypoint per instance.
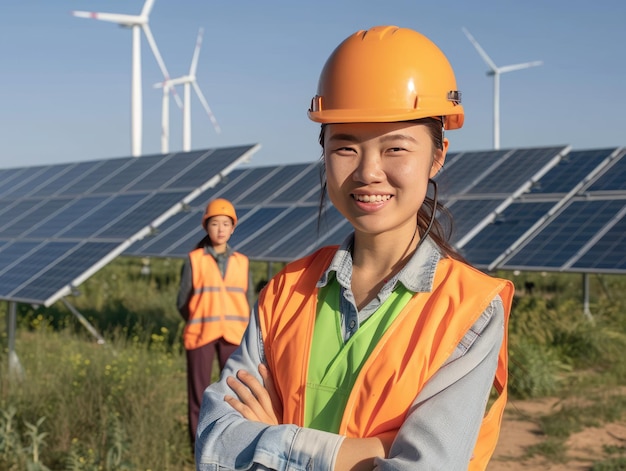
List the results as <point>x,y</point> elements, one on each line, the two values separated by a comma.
<point>520,430</point>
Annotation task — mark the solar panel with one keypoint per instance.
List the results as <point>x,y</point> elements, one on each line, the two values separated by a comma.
<point>467,214</point>
<point>61,223</point>
<point>496,238</point>
<point>570,171</point>
<point>612,179</point>
<point>462,170</point>
<point>19,179</point>
<point>271,203</point>
<point>608,253</point>
<point>333,229</point>
<point>274,185</point>
<point>582,232</point>
<point>487,182</point>
<point>7,176</point>
<point>520,167</point>
<point>560,240</point>
<point>285,221</point>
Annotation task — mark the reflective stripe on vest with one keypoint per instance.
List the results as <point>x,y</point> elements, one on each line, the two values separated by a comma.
<point>398,367</point>
<point>218,306</point>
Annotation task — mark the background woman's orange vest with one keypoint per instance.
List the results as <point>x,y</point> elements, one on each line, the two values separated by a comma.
<point>218,306</point>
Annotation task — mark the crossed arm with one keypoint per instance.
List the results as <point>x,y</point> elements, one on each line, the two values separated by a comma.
<point>262,404</point>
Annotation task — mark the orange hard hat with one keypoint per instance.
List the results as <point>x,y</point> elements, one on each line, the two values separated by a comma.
<point>219,207</point>
<point>387,74</point>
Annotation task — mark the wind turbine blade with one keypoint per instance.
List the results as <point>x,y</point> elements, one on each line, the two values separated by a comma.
<point>526,65</point>
<point>206,107</point>
<point>480,50</point>
<point>127,20</point>
<point>155,51</point>
<point>196,54</point>
<point>147,8</point>
<point>159,59</point>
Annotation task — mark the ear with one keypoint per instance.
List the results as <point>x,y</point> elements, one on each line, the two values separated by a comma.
<point>440,158</point>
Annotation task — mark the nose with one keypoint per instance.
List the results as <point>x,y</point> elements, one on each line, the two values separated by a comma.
<point>369,168</point>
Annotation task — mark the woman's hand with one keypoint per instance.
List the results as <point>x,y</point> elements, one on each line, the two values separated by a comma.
<point>255,401</point>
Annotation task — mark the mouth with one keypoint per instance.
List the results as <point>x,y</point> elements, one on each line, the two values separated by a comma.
<point>371,198</point>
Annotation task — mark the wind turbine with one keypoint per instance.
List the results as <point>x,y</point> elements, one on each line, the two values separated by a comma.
<point>495,71</point>
<point>137,23</point>
<point>187,81</point>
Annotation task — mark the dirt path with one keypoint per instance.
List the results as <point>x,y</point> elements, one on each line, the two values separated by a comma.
<point>520,430</point>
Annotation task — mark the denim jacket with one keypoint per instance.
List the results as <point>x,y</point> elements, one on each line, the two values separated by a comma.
<point>439,432</point>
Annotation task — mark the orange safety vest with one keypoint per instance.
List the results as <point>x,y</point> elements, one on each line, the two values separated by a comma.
<point>410,352</point>
<point>218,306</point>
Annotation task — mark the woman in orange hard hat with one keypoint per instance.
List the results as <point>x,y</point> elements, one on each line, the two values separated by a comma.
<point>381,352</point>
<point>213,300</point>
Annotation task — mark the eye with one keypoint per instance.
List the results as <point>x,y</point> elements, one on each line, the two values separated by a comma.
<point>344,151</point>
<point>395,150</point>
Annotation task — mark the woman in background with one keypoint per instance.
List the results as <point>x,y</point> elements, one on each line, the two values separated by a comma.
<point>213,301</point>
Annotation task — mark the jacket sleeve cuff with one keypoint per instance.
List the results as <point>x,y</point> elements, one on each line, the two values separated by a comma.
<point>315,450</point>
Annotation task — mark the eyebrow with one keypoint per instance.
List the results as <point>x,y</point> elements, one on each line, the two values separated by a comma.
<point>353,138</point>
<point>342,137</point>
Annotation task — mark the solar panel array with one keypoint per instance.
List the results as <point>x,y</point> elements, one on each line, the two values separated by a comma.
<point>547,208</point>
<point>60,223</point>
<point>510,227</point>
<point>277,209</point>
<point>585,231</point>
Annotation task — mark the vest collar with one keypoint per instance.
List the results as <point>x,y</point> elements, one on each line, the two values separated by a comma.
<point>208,249</point>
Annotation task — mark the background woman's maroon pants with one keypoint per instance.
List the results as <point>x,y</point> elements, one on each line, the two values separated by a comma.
<point>199,372</point>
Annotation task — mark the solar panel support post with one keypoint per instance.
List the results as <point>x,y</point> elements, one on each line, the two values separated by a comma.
<point>92,330</point>
<point>586,309</point>
<point>15,368</point>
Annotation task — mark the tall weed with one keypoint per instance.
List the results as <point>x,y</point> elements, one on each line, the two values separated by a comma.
<point>114,406</point>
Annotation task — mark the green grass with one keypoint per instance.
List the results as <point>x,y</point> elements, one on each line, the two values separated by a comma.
<point>114,406</point>
<point>615,462</point>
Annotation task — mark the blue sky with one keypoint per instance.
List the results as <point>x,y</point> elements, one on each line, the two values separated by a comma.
<point>65,93</point>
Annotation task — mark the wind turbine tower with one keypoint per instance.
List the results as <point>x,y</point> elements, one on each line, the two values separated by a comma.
<point>137,23</point>
<point>187,81</point>
<point>495,71</point>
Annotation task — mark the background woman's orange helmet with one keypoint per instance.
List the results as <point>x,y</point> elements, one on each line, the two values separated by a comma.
<point>387,74</point>
<point>219,207</point>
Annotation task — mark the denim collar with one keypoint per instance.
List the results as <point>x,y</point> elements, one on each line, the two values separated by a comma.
<point>417,275</point>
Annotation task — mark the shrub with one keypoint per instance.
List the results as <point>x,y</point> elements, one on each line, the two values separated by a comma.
<point>534,370</point>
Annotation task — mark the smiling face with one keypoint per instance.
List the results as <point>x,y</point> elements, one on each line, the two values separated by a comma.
<point>377,174</point>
